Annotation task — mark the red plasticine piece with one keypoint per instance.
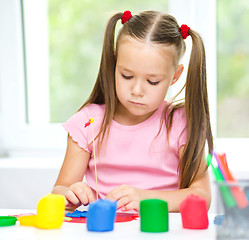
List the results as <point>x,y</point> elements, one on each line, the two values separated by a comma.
<point>194,212</point>
<point>23,215</point>
<point>126,217</point>
<point>120,217</point>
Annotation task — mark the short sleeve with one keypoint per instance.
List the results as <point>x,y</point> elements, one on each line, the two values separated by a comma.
<point>75,127</point>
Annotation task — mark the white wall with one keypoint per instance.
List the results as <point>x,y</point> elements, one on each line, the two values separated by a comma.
<point>24,181</point>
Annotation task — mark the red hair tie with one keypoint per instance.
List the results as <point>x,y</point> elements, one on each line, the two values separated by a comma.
<point>126,16</point>
<point>184,31</point>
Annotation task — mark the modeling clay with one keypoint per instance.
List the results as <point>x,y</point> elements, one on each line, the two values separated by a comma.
<point>120,217</point>
<point>154,215</point>
<point>77,214</point>
<point>101,215</point>
<point>29,220</point>
<point>126,217</point>
<point>194,212</point>
<point>7,221</point>
<point>50,211</point>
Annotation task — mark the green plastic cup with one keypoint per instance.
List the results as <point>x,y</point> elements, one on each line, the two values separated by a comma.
<point>154,215</point>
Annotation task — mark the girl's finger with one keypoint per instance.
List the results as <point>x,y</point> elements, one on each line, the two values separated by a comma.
<point>134,205</point>
<point>81,195</point>
<point>71,198</point>
<point>117,193</point>
<point>90,195</point>
<point>123,202</point>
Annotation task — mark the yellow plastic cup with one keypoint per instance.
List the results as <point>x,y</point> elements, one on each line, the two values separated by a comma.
<point>50,211</point>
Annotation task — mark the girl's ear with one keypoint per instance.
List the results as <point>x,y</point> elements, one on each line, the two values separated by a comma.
<point>177,74</point>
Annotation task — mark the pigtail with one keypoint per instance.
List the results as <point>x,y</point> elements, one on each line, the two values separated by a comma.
<point>197,113</point>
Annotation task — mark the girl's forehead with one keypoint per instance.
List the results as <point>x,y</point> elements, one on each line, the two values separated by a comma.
<point>128,46</point>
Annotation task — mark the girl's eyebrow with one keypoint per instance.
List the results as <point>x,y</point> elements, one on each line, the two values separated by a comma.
<point>157,75</point>
<point>124,68</point>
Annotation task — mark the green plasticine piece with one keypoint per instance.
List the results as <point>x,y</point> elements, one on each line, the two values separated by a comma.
<point>154,215</point>
<point>7,221</point>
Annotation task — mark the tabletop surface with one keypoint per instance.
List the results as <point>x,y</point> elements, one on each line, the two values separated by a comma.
<point>126,230</point>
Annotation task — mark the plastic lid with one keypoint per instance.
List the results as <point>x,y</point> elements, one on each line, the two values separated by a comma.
<point>7,221</point>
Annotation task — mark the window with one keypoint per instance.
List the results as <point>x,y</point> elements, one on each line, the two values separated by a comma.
<point>76,33</point>
<point>54,47</point>
<point>63,42</point>
<point>232,81</point>
<point>232,68</point>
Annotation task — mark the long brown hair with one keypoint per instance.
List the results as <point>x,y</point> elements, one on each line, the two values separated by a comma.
<point>160,29</point>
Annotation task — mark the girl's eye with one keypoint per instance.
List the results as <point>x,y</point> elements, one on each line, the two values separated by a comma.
<point>152,83</point>
<point>126,77</point>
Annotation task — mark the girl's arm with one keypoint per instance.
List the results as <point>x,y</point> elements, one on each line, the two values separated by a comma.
<point>200,187</point>
<point>129,197</point>
<point>69,182</point>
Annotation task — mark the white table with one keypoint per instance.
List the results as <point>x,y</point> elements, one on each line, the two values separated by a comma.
<point>127,230</point>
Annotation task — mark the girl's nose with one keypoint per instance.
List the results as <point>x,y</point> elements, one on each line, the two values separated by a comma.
<point>137,89</point>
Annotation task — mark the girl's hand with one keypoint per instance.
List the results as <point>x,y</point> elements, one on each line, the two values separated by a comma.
<point>77,194</point>
<point>128,197</point>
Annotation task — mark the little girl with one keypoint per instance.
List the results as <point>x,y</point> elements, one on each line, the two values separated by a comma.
<point>146,147</point>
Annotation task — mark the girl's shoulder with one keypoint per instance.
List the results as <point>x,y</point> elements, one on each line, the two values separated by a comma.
<point>178,110</point>
<point>85,113</point>
<point>93,110</point>
<point>178,131</point>
<point>76,125</point>
<point>177,115</point>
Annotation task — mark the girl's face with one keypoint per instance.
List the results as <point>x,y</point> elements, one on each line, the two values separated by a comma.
<point>144,72</point>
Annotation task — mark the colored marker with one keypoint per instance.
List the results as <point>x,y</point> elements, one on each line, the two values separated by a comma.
<point>237,192</point>
<point>225,191</point>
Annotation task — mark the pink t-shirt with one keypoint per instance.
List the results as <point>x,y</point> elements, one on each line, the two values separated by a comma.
<point>131,155</point>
